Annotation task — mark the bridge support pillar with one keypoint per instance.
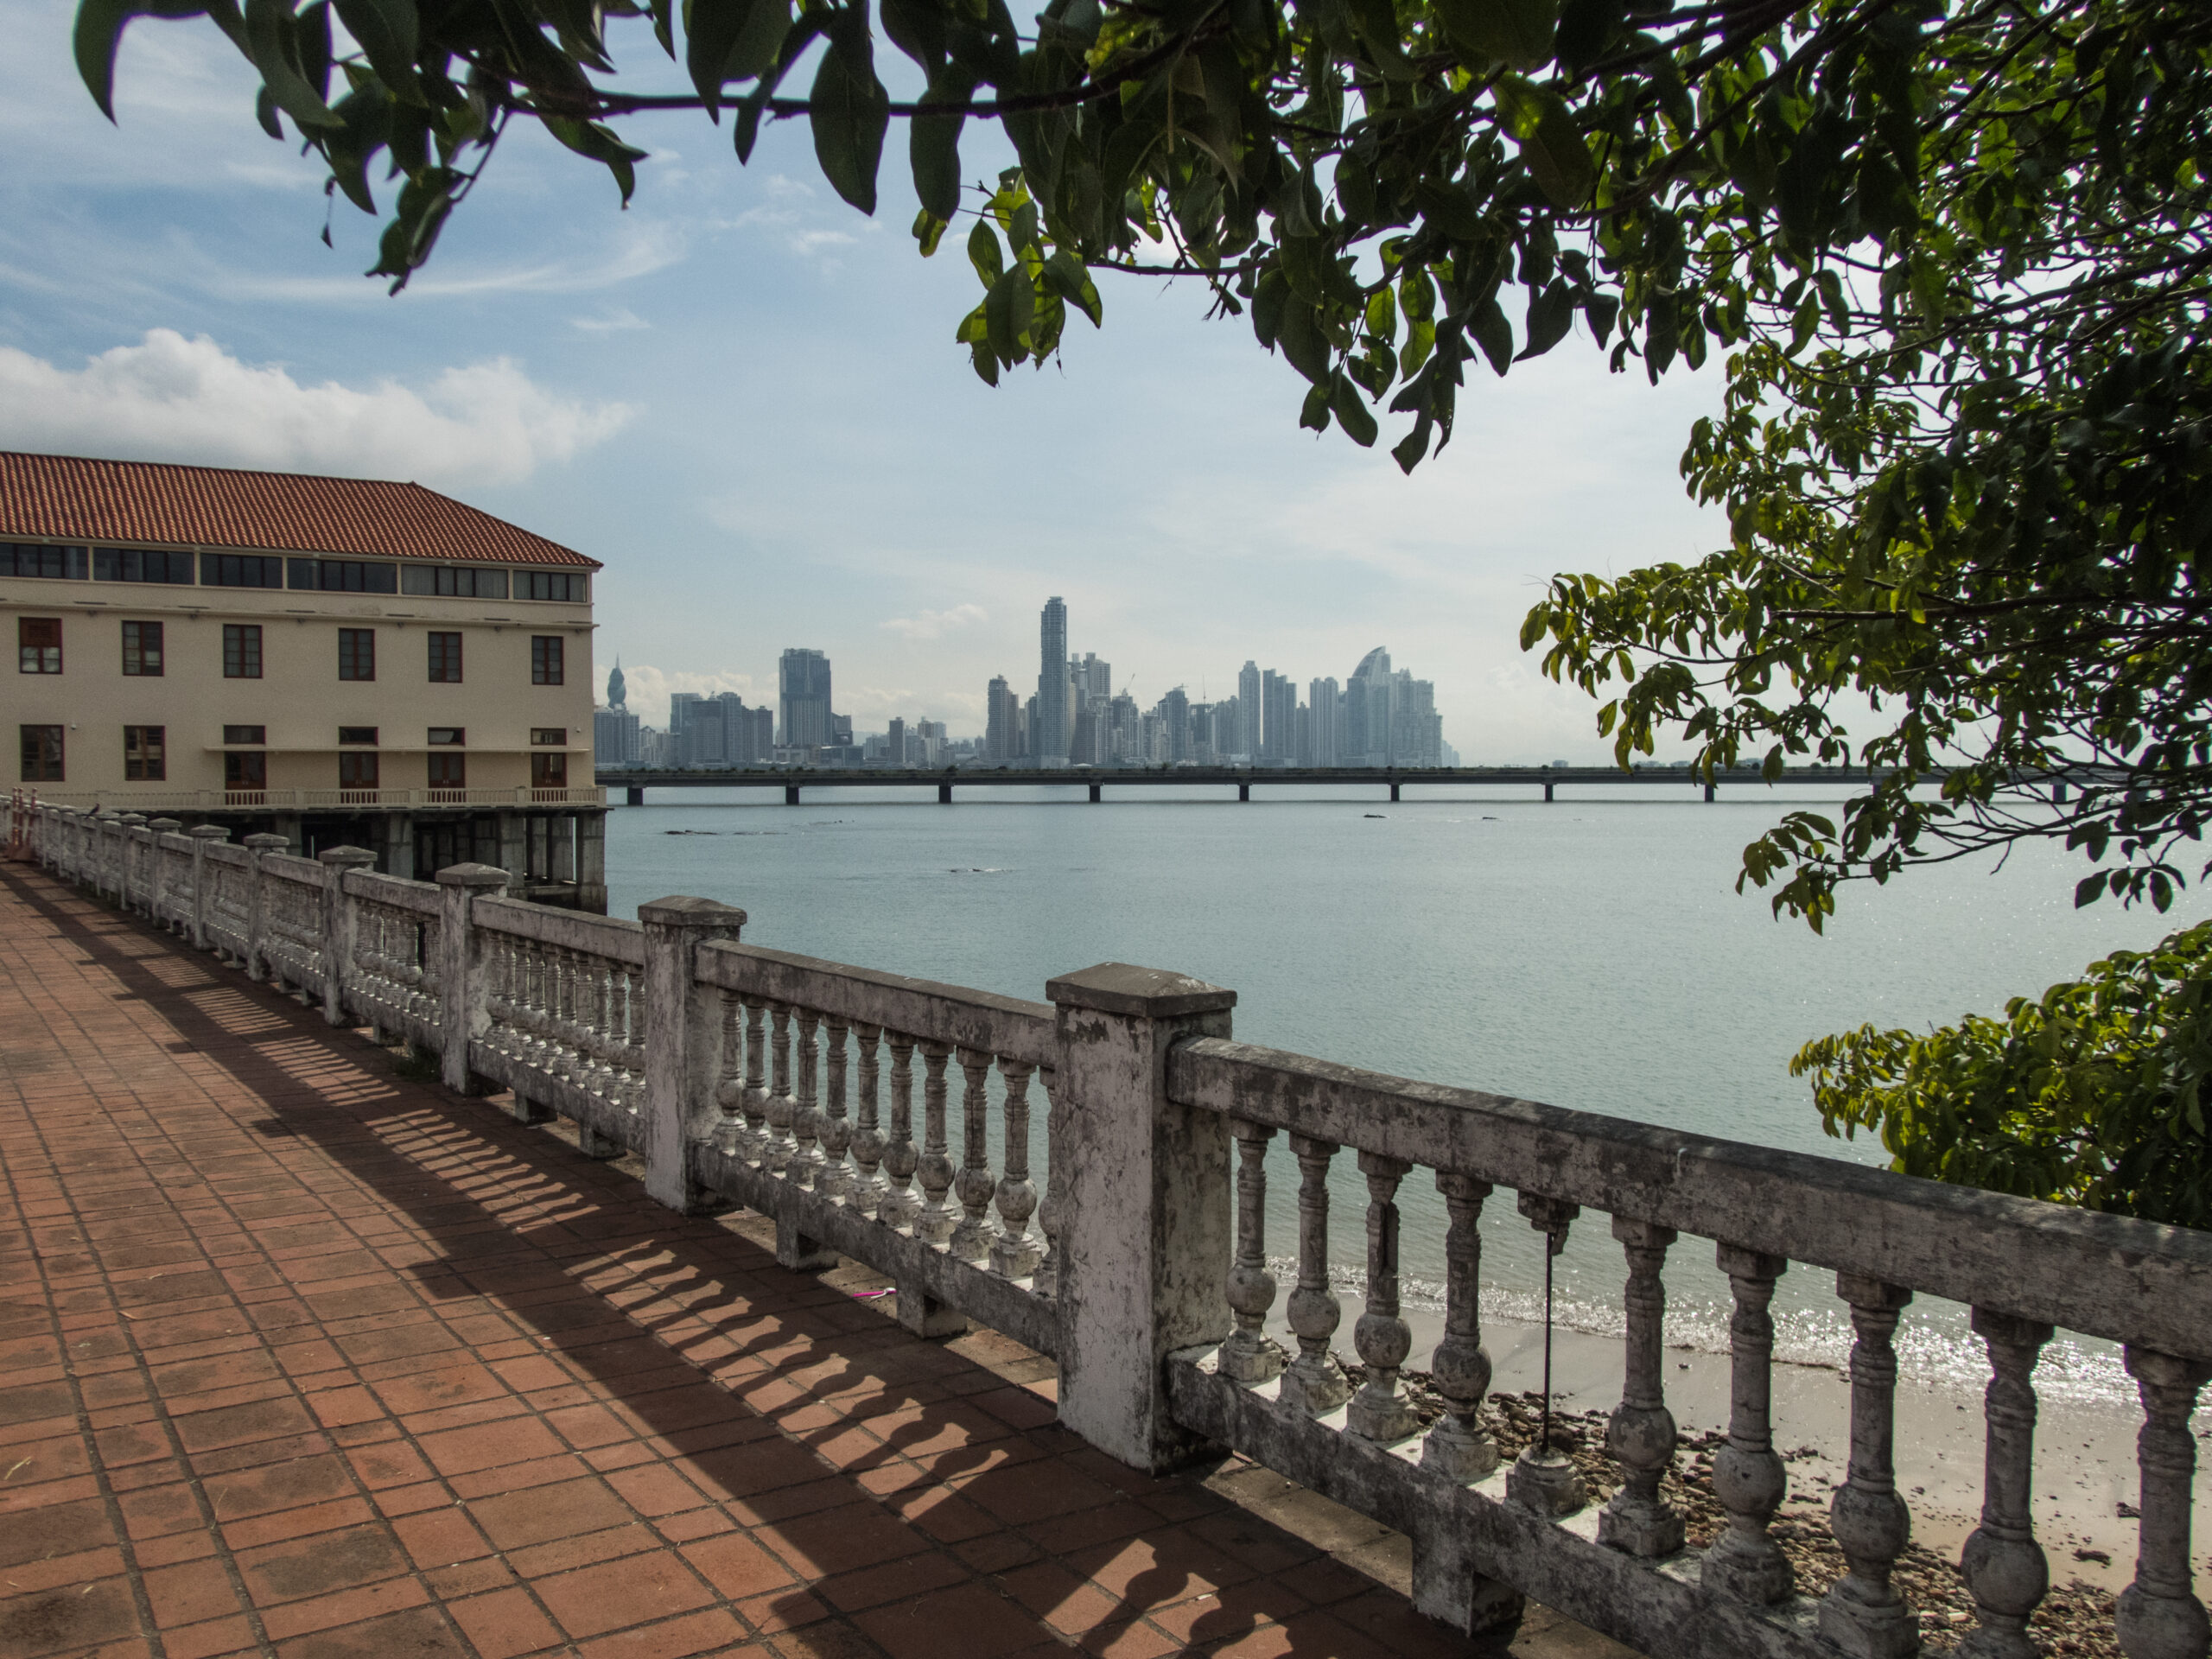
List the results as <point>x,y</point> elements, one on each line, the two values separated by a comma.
<point>790,794</point>
<point>1094,794</point>
<point>1712,791</point>
<point>1243,791</point>
<point>635,795</point>
<point>944,794</point>
<point>1393,788</point>
<point>2058,794</point>
<point>1548,792</point>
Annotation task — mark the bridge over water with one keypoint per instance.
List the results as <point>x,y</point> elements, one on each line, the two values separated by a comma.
<point>1096,781</point>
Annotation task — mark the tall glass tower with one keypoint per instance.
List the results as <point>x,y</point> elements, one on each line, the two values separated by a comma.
<point>1050,741</point>
<point>802,686</point>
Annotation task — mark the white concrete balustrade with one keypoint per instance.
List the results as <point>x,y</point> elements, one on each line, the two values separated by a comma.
<point>894,1120</point>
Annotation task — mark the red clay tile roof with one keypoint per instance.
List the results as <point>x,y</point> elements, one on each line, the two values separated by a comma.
<point>71,498</point>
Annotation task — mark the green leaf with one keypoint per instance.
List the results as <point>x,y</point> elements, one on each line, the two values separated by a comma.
<point>983,252</point>
<point>1007,309</point>
<point>848,111</point>
<point>1550,143</point>
<point>589,139</point>
<point>933,145</point>
<point>1514,32</point>
<point>98,32</point>
<point>1493,334</point>
<point>1314,413</point>
<point>391,35</point>
<point>1351,412</point>
<point>929,230</point>
<point>1070,278</point>
<point>272,42</point>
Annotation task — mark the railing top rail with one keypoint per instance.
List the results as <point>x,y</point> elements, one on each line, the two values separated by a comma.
<point>917,1007</point>
<point>2104,1276</point>
<point>224,852</point>
<point>611,936</point>
<point>396,890</point>
<point>290,866</point>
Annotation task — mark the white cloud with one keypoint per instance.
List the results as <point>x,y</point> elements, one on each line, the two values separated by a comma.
<point>619,320</point>
<point>170,398</point>
<point>935,624</point>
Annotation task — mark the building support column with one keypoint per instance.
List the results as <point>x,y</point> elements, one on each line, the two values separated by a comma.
<point>591,861</point>
<point>514,848</point>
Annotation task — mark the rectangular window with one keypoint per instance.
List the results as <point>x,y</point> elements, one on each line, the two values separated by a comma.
<point>241,650</point>
<point>446,735</point>
<point>356,772</point>
<point>142,649</point>
<point>343,576</point>
<point>546,660</point>
<point>356,653</point>
<point>38,644</point>
<point>145,756</point>
<point>445,659</point>
<point>245,772</point>
<point>449,772</point>
<point>453,580</point>
<point>548,735</point>
<point>29,559</point>
<point>141,564</point>
<point>357,734</point>
<point>42,755</point>
<point>240,570</point>
<point>245,734</point>
<point>550,584</point>
<point>549,771</point>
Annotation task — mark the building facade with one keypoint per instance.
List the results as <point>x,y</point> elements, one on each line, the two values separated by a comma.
<point>1053,724</point>
<point>802,717</point>
<point>335,660</point>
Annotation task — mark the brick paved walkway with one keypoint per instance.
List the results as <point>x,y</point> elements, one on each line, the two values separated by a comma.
<point>298,1357</point>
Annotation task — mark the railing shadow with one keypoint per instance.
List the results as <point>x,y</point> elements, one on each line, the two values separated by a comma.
<point>800,1358</point>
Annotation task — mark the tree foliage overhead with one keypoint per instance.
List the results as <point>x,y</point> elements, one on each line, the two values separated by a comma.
<point>1951,256</point>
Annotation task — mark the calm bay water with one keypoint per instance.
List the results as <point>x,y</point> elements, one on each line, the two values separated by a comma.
<point>1591,953</point>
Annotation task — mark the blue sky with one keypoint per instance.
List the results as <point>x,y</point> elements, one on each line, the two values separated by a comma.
<point>745,397</point>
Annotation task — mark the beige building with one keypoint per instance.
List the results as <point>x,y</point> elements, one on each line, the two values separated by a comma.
<point>338,660</point>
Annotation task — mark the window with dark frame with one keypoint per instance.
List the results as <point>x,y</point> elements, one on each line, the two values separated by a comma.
<point>357,734</point>
<point>559,585</point>
<point>342,576</point>
<point>545,658</point>
<point>357,771</point>
<point>142,564</point>
<point>356,653</point>
<point>245,771</point>
<point>142,649</point>
<point>32,559</point>
<point>241,650</point>
<point>445,659</point>
<point>38,644</point>
<point>145,754</point>
<point>453,580</point>
<point>447,734</point>
<point>245,734</point>
<point>449,771</point>
<point>548,735</point>
<point>549,771</point>
<point>240,570</point>
<point>42,755</point>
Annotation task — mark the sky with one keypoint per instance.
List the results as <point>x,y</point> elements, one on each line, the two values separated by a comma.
<point>745,398</point>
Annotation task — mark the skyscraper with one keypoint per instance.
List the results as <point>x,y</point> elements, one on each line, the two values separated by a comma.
<point>1325,705</point>
<point>1248,716</point>
<point>1367,712</point>
<point>803,699</point>
<point>1279,719</point>
<point>1049,735</point>
<point>1001,721</point>
<point>616,691</point>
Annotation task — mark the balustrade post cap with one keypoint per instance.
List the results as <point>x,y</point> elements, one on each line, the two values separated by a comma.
<point>353,858</point>
<point>681,909</point>
<point>1144,993</point>
<point>264,843</point>
<point>133,818</point>
<point>165,825</point>
<point>472,875</point>
<point>209,832</point>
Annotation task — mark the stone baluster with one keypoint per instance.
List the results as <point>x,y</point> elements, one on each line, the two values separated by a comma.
<point>1747,1477</point>
<point>632,1088</point>
<point>782,1107</point>
<point>1044,1280</point>
<point>900,1203</point>
<point>560,989</point>
<point>936,1219</point>
<point>1544,1478</point>
<point>1380,1410</point>
<point>1641,1431</point>
<point>868,1131</point>
<point>973,1236</point>
<point>1247,1356</point>
<point>2002,1563</point>
<point>1013,1254</point>
<point>806,1104</point>
<point>834,1178</point>
<point>2158,1617</point>
<point>1314,1380</point>
<point>1458,1447</point>
<point>753,1145</point>
<point>729,1090</point>
<point>1862,1615</point>
<point>604,1027</point>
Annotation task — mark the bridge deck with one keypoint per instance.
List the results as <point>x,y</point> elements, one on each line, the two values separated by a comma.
<point>298,1357</point>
